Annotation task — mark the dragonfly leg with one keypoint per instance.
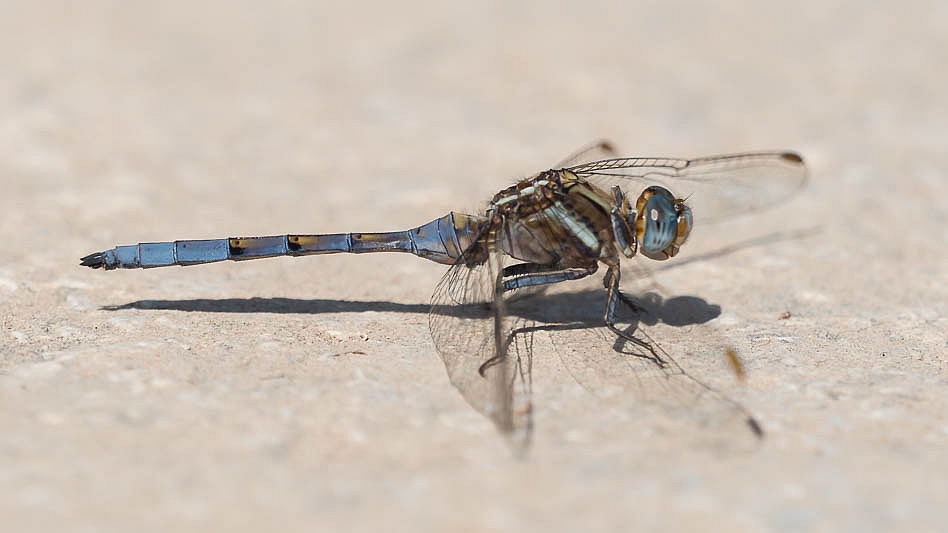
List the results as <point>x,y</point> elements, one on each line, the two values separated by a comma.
<point>531,274</point>
<point>623,297</point>
<point>626,242</point>
<point>611,282</point>
<point>489,363</point>
<point>502,354</point>
<point>630,303</point>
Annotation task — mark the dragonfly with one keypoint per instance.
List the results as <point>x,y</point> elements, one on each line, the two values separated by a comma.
<point>556,226</point>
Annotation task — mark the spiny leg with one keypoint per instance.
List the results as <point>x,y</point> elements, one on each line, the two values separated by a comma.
<point>623,233</point>
<point>630,303</point>
<point>531,274</point>
<point>611,282</point>
<point>627,300</point>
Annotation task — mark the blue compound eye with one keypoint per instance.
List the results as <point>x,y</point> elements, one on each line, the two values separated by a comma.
<point>662,223</point>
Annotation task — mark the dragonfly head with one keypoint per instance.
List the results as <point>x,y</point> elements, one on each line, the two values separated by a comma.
<point>662,223</point>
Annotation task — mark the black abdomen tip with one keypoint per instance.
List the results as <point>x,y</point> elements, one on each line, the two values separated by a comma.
<point>96,260</point>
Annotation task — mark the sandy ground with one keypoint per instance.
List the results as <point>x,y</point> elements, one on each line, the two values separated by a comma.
<point>305,394</point>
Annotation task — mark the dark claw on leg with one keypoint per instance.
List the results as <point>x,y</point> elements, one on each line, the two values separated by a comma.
<point>631,304</point>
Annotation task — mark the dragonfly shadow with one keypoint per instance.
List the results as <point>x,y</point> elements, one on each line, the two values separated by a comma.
<point>582,307</point>
<point>271,305</point>
<point>587,307</point>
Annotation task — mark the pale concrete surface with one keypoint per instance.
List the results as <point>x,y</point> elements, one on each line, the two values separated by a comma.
<point>237,403</point>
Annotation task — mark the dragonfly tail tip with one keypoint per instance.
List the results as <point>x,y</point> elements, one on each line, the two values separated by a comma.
<point>96,260</point>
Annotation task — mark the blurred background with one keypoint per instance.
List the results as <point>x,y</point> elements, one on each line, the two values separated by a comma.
<point>229,406</point>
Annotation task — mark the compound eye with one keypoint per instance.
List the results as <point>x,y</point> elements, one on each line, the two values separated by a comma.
<point>685,222</point>
<point>657,223</point>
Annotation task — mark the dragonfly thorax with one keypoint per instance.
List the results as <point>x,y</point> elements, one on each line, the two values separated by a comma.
<point>554,218</point>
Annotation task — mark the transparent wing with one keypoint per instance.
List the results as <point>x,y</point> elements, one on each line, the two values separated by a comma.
<point>487,353</point>
<point>596,150</point>
<point>650,388</point>
<point>716,187</point>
